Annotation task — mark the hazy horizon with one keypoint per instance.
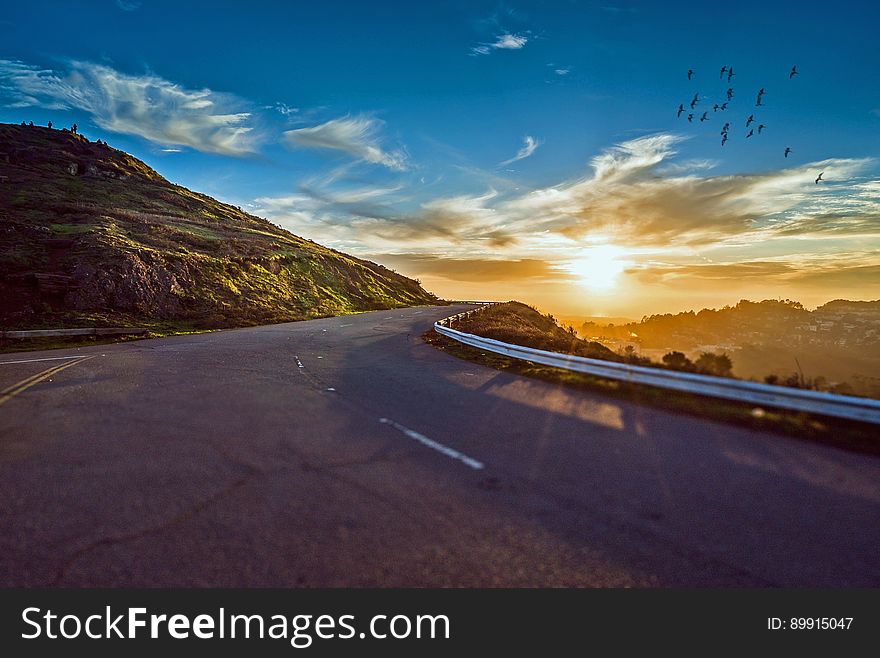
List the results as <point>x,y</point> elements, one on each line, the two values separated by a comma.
<point>517,151</point>
<point>566,307</point>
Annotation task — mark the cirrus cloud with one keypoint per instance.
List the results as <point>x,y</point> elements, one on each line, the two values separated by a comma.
<point>479,269</point>
<point>356,135</point>
<point>366,219</point>
<point>147,106</point>
<point>856,269</point>
<point>678,225</point>
<point>530,145</point>
<point>504,41</point>
<point>630,198</point>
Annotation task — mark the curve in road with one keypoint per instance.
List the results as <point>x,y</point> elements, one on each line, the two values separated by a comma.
<point>346,452</point>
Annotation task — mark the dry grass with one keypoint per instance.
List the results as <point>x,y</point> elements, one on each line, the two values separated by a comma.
<point>520,324</point>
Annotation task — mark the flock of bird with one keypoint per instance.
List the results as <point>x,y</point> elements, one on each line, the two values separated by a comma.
<point>721,107</point>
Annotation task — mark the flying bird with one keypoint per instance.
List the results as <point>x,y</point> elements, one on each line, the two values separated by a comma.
<point>750,120</point>
<point>691,117</point>
<point>723,139</point>
<point>729,93</point>
<point>793,72</point>
<point>761,127</point>
<point>694,101</point>
<point>787,151</point>
<point>726,127</point>
<point>730,73</point>
<point>715,107</point>
<point>819,178</point>
<point>723,71</point>
<point>680,110</point>
<point>690,73</point>
<point>705,117</point>
<point>751,132</point>
<point>760,94</point>
<point>723,106</point>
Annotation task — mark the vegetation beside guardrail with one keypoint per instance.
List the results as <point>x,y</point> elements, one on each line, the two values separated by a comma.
<point>814,402</point>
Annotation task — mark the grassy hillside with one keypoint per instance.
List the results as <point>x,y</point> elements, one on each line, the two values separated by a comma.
<point>517,323</point>
<point>89,235</point>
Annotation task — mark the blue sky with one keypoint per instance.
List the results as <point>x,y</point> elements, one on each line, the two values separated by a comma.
<point>494,149</point>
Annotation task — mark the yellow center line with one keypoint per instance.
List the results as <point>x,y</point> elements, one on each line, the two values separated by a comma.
<point>25,384</point>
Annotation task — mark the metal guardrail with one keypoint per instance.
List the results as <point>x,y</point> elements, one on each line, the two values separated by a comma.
<point>828,404</point>
<point>88,331</point>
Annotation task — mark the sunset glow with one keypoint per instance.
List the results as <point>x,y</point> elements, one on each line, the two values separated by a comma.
<point>599,268</point>
<point>512,152</point>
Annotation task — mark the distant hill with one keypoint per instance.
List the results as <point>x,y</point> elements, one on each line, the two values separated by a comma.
<point>840,322</point>
<point>600,320</point>
<point>91,235</point>
<point>847,306</point>
<point>839,342</point>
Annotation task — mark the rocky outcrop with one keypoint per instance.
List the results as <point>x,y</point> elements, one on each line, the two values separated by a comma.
<point>97,172</point>
<point>138,283</point>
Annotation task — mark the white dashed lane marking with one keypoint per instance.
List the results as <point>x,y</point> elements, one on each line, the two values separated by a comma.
<point>439,447</point>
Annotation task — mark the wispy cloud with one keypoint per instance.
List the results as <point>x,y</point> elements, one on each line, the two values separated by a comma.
<point>632,197</point>
<point>529,146</point>
<point>560,72</point>
<point>148,106</point>
<point>128,5</point>
<point>477,269</point>
<point>505,41</point>
<point>629,198</point>
<point>858,269</point>
<point>453,218</point>
<point>356,135</point>
<point>372,218</point>
<point>284,109</point>
<point>510,41</point>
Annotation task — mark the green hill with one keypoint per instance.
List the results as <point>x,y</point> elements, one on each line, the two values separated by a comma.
<point>91,235</point>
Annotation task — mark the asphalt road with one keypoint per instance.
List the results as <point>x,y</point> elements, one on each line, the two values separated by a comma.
<point>346,452</point>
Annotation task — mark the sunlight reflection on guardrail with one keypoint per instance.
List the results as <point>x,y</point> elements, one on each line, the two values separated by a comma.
<point>829,404</point>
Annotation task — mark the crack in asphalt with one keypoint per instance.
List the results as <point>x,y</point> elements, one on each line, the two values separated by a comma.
<point>326,470</point>
<point>121,538</point>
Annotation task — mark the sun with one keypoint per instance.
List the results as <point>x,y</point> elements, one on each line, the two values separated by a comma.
<point>599,268</point>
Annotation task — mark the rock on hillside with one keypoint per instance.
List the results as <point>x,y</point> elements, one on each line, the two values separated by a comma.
<point>90,234</point>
